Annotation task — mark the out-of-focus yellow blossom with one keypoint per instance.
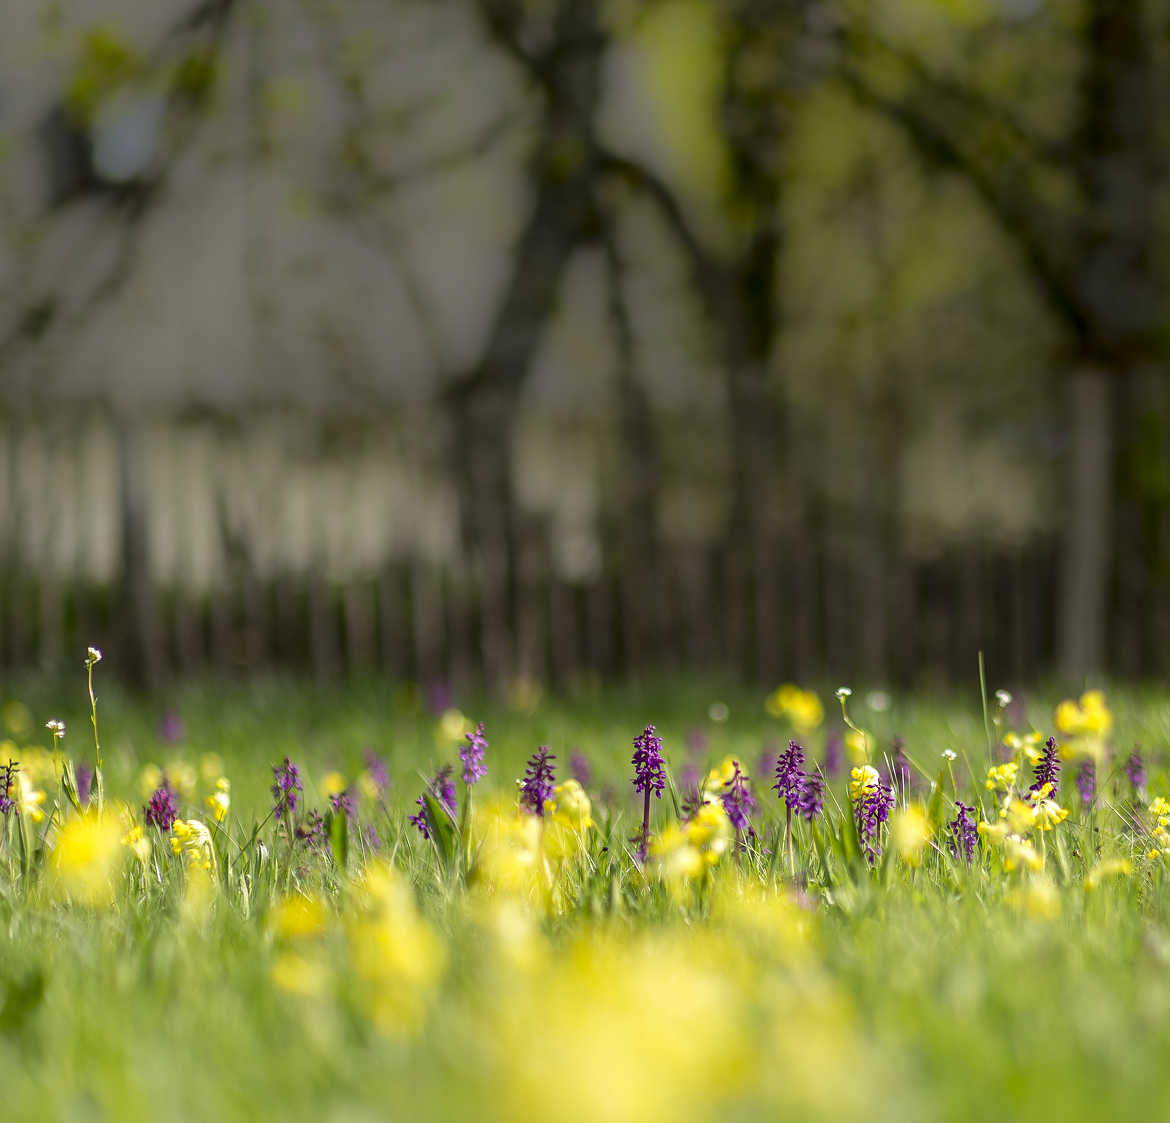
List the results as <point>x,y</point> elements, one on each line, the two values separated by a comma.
<point>1159,807</point>
<point>993,832</point>
<point>396,956</point>
<point>452,727</point>
<point>767,916</point>
<point>910,831</point>
<point>220,800</point>
<point>85,860</point>
<point>683,853</point>
<point>298,917</point>
<point>307,976</point>
<point>1048,813</point>
<point>332,783</point>
<point>802,707</point>
<point>508,856</point>
<point>149,780</point>
<point>1020,815</point>
<point>28,799</point>
<point>182,777</point>
<point>210,767</point>
<point>857,746</point>
<point>367,785</point>
<point>136,841</point>
<point>1111,867</point>
<point>192,839</point>
<point>568,819</point>
<point>1091,717</point>
<point>1002,776</point>
<point>716,781</point>
<point>862,780</point>
<point>710,832</point>
<point>36,763</point>
<point>1018,852</point>
<point>1039,898</point>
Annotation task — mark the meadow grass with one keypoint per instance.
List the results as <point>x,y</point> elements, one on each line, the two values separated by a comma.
<point>512,969</point>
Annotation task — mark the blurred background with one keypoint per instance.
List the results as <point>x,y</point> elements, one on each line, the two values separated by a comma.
<point>486,340</point>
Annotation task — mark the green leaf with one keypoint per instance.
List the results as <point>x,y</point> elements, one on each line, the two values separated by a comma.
<point>442,829</point>
<point>935,809</point>
<point>339,838</point>
<point>69,783</point>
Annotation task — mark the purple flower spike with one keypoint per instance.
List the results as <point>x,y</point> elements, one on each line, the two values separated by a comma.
<point>162,810</point>
<point>649,767</point>
<point>1135,770</point>
<point>441,788</point>
<point>1047,768</point>
<point>312,831</point>
<point>963,833</point>
<point>343,803</point>
<point>472,755</point>
<point>170,728</point>
<point>286,784</point>
<point>1087,782</point>
<point>537,786</point>
<point>873,809</point>
<point>790,775</point>
<point>812,796</point>
<point>84,776</point>
<point>649,778</point>
<point>834,755</point>
<point>7,779</point>
<point>376,767</point>
<point>738,800</point>
<point>579,767</point>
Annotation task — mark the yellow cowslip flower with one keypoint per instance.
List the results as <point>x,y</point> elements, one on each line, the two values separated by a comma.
<point>910,831</point>
<point>192,839</point>
<point>570,806</point>
<point>136,841</point>
<point>1047,812</point>
<point>28,799</point>
<point>85,859</point>
<point>1002,776</point>
<point>332,783</point>
<point>1090,717</point>
<point>1018,852</point>
<point>1111,867</point>
<point>1012,741</point>
<point>863,779</point>
<point>220,800</point>
<point>710,832</point>
<point>802,707</point>
<point>677,862</point>
<point>1159,807</point>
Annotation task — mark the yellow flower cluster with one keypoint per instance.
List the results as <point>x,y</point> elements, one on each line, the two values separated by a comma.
<point>683,853</point>
<point>801,707</point>
<point>88,852</point>
<point>192,839</point>
<point>1091,717</point>
<point>1032,744</point>
<point>1159,810</point>
<point>220,800</point>
<point>1002,777</point>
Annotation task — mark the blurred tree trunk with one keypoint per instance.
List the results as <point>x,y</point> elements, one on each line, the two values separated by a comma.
<point>484,403</point>
<point>139,631</point>
<point>1090,260</point>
